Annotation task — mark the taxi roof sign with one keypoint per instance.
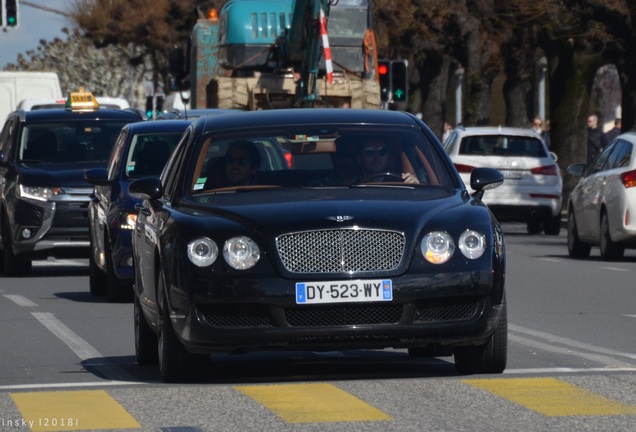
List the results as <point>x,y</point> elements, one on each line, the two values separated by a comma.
<point>82,101</point>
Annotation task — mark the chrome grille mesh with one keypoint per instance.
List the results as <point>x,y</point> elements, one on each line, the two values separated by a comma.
<point>341,250</point>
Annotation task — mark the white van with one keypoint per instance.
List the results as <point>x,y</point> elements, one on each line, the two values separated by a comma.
<point>15,86</point>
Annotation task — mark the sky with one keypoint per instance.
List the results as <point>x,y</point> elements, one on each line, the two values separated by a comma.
<point>34,24</point>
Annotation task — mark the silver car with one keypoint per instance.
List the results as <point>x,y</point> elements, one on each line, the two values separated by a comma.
<point>602,206</point>
<point>532,189</point>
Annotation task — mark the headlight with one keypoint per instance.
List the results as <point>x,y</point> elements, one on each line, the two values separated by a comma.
<point>241,253</point>
<point>472,244</point>
<point>38,193</point>
<point>202,252</point>
<point>437,247</point>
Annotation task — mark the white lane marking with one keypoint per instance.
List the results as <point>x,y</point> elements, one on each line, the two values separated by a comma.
<point>615,269</point>
<point>550,259</point>
<point>598,358</point>
<point>567,370</point>
<point>81,384</point>
<point>630,316</point>
<point>20,300</point>
<point>82,348</point>
<point>550,338</point>
<point>79,346</point>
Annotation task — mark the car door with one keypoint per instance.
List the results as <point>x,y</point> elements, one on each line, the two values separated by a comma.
<point>590,196</point>
<point>611,194</point>
<point>151,220</point>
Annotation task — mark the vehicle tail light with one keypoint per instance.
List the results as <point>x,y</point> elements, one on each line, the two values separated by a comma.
<point>288,158</point>
<point>546,170</point>
<point>629,179</point>
<point>464,168</point>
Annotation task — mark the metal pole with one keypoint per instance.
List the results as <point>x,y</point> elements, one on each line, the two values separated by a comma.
<point>458,96</point>
<point>543,66</point>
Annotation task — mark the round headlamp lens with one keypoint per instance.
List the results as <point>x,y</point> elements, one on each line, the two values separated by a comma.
<point>202,252</point>
<point>472,244</point>
<point>241,253</point>
<point>437,247</point>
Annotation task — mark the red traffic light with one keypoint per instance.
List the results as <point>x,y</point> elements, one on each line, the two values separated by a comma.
<point>383,69</point>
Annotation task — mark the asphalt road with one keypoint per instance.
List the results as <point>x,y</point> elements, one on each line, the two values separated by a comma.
<point>67,363</point>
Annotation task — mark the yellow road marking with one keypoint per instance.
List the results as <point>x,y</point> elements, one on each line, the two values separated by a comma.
<point>552,397</point>
<point>313,403</point>
<point>73,410</point>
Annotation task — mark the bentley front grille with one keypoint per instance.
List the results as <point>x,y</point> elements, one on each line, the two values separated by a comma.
<point>341,250</point>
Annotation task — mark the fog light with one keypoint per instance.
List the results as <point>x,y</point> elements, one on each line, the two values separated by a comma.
<point>25,233</point>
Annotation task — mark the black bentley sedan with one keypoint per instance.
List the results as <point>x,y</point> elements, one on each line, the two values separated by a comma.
<point>364,238</point>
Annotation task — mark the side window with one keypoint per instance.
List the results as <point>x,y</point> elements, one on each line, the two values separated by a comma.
<point>621,155</point>
<point>448,144</point>
<point>172,168</point>
<point>115,160</point>
<point>600,163</point>
<point>7,137</point>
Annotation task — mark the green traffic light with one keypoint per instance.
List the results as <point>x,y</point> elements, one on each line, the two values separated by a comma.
<point>398,93</point>
<point>11,21</point>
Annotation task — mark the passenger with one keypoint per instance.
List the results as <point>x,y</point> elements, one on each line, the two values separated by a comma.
<point>375,160</point>
<point>241,163</point>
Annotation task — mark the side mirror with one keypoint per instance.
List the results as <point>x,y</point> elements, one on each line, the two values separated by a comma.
<point>97,176</point>
<point>483,179</point>
<point>147,188</point>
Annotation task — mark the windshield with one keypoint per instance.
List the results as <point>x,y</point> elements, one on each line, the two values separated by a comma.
<point>316,157</point>
<point>84,141</point>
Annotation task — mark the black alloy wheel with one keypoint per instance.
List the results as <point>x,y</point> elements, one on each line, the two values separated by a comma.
<point>576,248</point>
<point>146,349</point>
<point>176,364</point>
<point>14,266</point>
<point>610,250</point>
<point>490,357</point>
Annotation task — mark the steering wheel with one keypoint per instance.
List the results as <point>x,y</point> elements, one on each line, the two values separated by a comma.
<point>384,174</point>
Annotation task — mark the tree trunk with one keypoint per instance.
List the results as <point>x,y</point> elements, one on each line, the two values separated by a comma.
<point>571,77</point>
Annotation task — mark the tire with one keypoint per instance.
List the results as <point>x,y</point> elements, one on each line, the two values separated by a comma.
<point>96,277</point>
<point>490,357</point>
<point>176,364</point>
<point>576,248</point>
<point>534,227</point>
<point>552,225</point>
<point>116,291</point>
<point>610,250</point>
<point>13,266</point>
<point>146,346</point>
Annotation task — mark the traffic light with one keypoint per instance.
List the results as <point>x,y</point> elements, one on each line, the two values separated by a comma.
<point>399,81</point>
<point>154,106</point>
<point>159,104</point>
<point>11,13</point>
<point>150,107</point>
<point>384,71</point>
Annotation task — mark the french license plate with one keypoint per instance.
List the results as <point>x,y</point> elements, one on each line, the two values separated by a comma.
<point>513,175</point>
<point>344,291</point>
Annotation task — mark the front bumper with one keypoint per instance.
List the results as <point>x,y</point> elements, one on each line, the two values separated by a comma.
<point>57,228</point>
<point>441,310</point>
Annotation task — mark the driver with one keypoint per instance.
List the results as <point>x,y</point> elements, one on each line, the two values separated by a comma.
<point>374,158</point>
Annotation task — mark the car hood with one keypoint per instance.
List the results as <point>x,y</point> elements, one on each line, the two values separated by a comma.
<point>68,174</point>
<point>296,210</point>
